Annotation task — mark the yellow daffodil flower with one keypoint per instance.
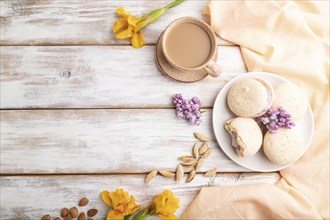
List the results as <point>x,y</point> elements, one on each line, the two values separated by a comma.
<point>121,202</point>
<point>164,205</point>
<point>129,26</point>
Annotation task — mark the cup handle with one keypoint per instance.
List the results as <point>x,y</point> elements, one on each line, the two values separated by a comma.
<point>213,69</point>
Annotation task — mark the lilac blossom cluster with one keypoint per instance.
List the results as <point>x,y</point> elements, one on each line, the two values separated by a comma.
<point>274,119</point>
<point>188,109</point>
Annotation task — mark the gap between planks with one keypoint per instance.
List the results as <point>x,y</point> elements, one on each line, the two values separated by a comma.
<point>96,108</point>
<point>92,44</point>
<point>89,45</point>
<point>223,173</point>
<point>73,45</point>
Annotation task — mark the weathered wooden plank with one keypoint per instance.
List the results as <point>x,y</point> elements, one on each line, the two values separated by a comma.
<point>31,197</point>
<point>76,22</point>
<point>102,141</point>
<point>101,77</point>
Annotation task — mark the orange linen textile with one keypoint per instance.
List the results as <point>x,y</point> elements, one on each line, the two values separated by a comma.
<point>291,39</point>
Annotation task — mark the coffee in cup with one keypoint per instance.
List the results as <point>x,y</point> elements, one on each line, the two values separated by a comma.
<point>190,44</point>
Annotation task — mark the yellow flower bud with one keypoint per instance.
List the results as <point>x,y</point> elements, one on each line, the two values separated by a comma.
<point>129,26</point>
<point>121,203</point>
<point>164,205</point>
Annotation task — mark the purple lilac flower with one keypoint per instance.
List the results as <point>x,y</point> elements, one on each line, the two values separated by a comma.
<point>188,109</point>
<point>274,119</point>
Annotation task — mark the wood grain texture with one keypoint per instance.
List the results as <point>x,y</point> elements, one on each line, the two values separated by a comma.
<point>31,197</point>
<point>102,141</point>
<point>76,22</point>
<point>101,77</point>
<point>72,147</point>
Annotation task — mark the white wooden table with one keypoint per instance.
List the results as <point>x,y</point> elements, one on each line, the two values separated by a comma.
<point>109,122</point>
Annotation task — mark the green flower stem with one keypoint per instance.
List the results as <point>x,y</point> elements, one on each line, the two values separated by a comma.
<point>129,217</point>
<point>141,215</point>
<point>175,3</point>
<point>155,14</point>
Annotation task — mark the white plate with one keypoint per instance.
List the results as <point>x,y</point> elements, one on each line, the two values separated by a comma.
<point>221,113</point>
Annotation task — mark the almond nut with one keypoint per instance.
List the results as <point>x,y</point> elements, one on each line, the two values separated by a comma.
<point>82,216</point>
<point>68,217</point>
<point>189,163</point>
<point>57,218</point>
<point>150,176</point>
<point>203,149</point>
<point>201,137</point>
<point>207,153</point>
<point>84,201</point>
<point>211,173</point>
<point>46,217</point>
<point>186,158</point>
<point>191,176</point>
<point>179,173</point>
<point>166,173</point>
<point>199,163</point>
<point>64,212</point>
<point>74,212</point>
<point>92,212</point>
<point>195,150</point>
